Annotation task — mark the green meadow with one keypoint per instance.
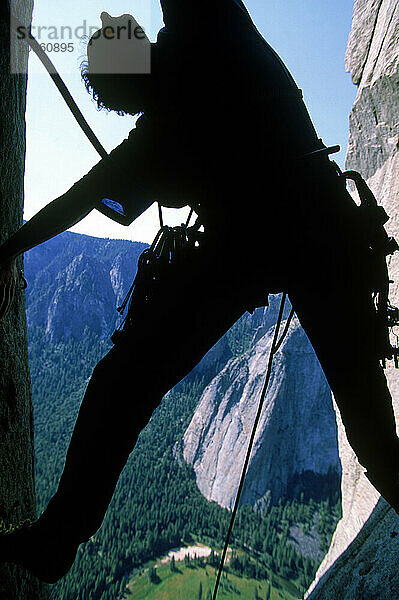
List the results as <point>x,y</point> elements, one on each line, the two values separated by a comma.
<point>197,583</point>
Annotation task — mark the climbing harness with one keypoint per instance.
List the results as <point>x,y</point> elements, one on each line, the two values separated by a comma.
<point>372,218</point>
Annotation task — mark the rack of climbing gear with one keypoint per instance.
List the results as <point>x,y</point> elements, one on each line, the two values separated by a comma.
<point>172,247</point>
<point>372,219</point>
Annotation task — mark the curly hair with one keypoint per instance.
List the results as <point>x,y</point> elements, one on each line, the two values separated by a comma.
<point>123,93</point>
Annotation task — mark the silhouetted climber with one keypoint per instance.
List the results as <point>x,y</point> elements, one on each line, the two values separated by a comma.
<point>225,130</point>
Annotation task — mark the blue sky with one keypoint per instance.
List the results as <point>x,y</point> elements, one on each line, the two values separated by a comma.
<point>310,36</point>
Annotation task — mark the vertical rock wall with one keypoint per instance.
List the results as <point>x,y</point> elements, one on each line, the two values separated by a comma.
<point>367,567</point>
<point>17,493</point>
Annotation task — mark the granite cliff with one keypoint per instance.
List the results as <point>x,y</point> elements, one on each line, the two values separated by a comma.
<point>366,539</point>
<point>296,443</point>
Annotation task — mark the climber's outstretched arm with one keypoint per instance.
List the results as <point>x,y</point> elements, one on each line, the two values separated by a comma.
<point>59,215</point>
<point>117,177</point>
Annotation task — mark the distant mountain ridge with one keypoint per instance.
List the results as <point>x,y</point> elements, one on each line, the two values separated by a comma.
<point>75,283</point>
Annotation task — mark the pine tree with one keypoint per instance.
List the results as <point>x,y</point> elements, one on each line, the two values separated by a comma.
<point>153,575</point>
<point>211,559</point>
<point>173,567</point>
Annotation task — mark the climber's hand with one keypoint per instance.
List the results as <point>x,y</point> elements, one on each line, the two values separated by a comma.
<point>9,278</point>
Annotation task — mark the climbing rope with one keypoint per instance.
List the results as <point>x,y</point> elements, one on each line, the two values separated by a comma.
<point>274,347</point>
<point>62,88</point>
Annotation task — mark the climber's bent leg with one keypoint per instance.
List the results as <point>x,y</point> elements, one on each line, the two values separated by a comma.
<point>117,405</point>
<point>163,345</point>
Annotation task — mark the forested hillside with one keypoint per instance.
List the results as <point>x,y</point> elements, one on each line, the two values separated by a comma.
<point>75,282</point>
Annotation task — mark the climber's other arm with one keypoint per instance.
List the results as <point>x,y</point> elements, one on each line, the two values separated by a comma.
<point>116,177</point>
<point>120,177</point>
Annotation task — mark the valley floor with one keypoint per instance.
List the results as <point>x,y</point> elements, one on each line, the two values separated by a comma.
<point>197,582</point>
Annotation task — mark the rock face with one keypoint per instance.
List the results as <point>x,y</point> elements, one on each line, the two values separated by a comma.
<point>296,440</point>
<point>17,492</point>
<point>368,567</point>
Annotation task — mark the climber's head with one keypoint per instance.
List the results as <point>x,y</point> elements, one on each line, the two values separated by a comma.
<point>117,70</point>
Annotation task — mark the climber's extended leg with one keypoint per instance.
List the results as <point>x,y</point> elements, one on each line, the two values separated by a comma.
<point>127,384</point>
<point>328,287</point>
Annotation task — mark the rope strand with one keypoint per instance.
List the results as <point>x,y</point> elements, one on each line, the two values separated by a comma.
<point>273,350</point>
<point>56,77</point>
